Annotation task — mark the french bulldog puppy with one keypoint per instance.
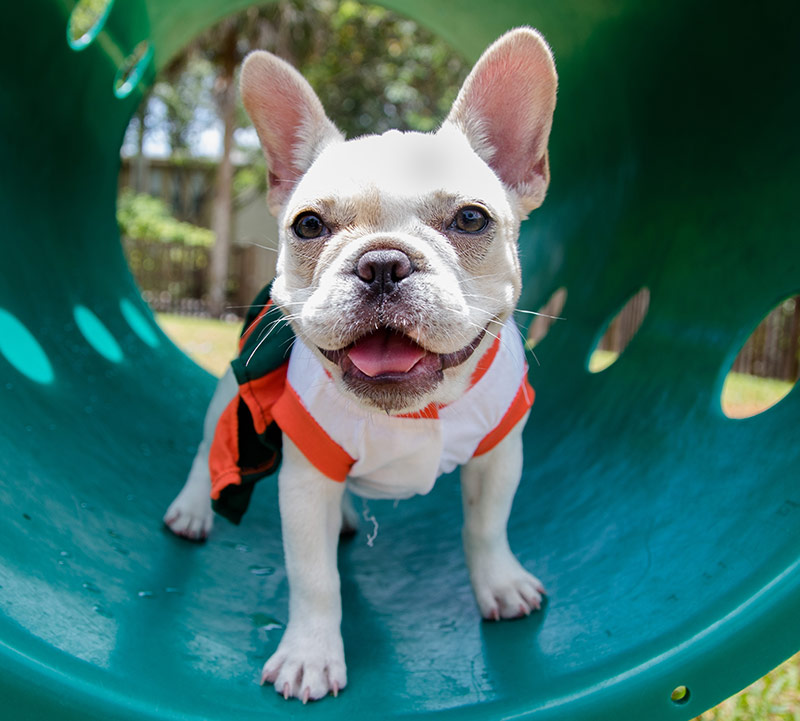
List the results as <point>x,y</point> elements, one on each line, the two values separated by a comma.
<point>398,272</point>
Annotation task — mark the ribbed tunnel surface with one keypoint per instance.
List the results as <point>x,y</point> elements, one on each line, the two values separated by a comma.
<point>667,534</point>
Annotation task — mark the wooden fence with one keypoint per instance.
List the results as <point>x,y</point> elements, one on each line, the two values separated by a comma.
<point>773,351</point>
<point>173,277</point>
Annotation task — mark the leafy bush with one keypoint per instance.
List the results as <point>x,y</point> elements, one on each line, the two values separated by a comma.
<point>143,217</point>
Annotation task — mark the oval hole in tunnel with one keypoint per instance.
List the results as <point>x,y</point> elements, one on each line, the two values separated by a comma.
<point>86,21</point>
<point>23,351</point>
<point>544,318</point>
<point>139,323</point>
<point>768,365</point>
<point>619,331</point>
<point>97,335</point>
<point>132,69</point>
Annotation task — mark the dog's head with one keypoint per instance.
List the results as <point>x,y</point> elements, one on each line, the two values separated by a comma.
<point>398,259</point>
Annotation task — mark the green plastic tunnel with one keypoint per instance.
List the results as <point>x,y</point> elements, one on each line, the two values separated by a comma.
<point>668,535</point>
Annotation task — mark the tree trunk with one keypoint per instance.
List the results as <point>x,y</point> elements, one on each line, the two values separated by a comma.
<point>223,192</point>
<point>139,161</point>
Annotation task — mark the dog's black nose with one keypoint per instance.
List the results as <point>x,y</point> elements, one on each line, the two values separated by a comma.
<point>382,270</point>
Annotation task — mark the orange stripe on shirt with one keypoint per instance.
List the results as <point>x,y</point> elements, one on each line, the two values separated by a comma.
<point>223,458</point>
<point>310,437</point>
<point>431,411</point>
<point>261,394</point>
<point>485,362</point>
<point>521,404</point>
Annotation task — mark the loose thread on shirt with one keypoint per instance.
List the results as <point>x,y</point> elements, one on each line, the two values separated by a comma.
<point>367,515</point>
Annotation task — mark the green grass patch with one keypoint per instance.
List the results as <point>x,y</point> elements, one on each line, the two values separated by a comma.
<point>745,395</point>
<point>601,359</point>
<point>776,697</point>
<point>210,343</point>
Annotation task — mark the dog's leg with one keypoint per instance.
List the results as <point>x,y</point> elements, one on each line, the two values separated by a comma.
<point>309,661</point>
<point>503,588</point>
<point>190,514</point>
<point>349,516</point>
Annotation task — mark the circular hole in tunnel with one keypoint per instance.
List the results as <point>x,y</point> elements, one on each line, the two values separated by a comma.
<point>619,331</point>
<point>19,347</point>
<point>86,21</point>
<point>768,365</point>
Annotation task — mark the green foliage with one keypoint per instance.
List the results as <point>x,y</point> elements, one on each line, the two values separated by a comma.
<point>374,70</point>
<point>186,95</point>
<point>143,217</point>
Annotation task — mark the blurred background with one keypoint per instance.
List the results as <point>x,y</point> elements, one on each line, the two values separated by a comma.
<point>201,244</point>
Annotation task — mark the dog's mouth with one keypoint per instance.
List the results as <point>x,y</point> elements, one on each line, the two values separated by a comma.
<point>388,356</point>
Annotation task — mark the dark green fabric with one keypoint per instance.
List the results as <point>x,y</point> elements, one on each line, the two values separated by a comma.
<point>265,350</point>
<point>268,345</point>
<point>667,535</point>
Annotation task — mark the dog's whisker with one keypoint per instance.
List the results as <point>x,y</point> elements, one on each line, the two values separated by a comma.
<point>263,247</point>
<point>526,346</point>
<point>261,340</point>
<point>541,315</point>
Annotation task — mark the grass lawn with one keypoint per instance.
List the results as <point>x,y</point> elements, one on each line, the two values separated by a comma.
<point>745,395</point>
<point>212,344</point>
<point>776,697</point>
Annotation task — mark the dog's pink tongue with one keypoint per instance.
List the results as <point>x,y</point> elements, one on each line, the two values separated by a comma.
<point>385,352</point>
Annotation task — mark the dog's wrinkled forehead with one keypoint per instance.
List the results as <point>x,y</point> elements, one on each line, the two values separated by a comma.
<point>382,174</point>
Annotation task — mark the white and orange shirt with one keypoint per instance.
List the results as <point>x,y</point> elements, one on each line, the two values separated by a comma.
<point>378,455</point>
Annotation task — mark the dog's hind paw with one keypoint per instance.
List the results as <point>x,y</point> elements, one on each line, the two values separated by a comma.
<point>306,667</point>
<point>190,515</point>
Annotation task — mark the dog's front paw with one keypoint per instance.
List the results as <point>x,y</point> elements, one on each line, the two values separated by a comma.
<point>190,514</point>
<point>503,588</point>
<point>307,666</point>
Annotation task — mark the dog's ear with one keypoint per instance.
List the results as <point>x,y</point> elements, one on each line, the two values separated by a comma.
<point>290,121</point>
<point>505,109</point>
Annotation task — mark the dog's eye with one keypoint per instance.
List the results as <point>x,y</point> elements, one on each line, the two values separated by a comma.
<point>470,219</point>
<point>309,226</point>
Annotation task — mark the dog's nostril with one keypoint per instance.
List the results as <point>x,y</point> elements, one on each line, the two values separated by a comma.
<point>384,268</point>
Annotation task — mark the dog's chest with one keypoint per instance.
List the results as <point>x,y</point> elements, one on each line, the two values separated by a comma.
<point>401,456</point>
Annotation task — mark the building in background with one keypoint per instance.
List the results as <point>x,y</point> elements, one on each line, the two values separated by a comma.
<point>175,279</point>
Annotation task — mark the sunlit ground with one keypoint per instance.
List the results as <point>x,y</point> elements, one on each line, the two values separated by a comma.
<point>210,343</point>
